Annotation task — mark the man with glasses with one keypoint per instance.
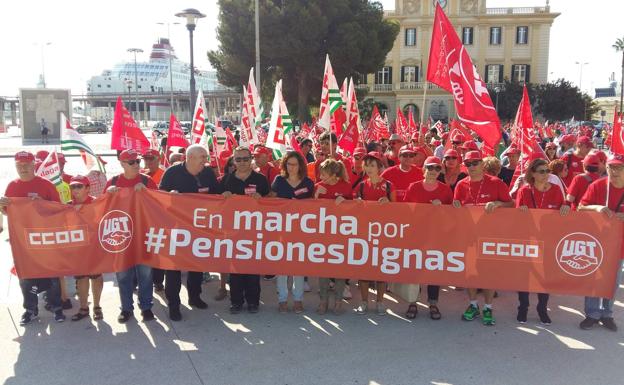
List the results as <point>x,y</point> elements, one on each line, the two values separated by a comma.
<point>403,174</point>
<point>306,149</point>
<point>244,181</point>
<point>131,177</point>
<point>394,146</point>
<point>191,176</point>
<point>151,161</point>
<point>480,189</point>
<point>606,195</point>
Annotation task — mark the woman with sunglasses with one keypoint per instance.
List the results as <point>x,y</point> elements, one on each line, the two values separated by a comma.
<point>432,191</point>
<point>538,193</point>
<point>451,169</point>
<point>292,183</point>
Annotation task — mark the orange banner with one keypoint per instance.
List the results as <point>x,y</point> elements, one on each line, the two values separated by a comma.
<point>539,251</point>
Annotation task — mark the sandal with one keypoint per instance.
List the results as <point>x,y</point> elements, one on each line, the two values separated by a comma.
<point>412,311</point>
<point>322,308</point>
<point>434,312</point>
<point>82,313</point>
<point>97,313</point>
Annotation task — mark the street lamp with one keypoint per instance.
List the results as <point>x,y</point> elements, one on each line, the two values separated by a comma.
<point>497,90</point>
<point>170,67</point>
<point>129,85</point>
<point>191,15</point>
<point>43,45</point>
<point>581,74</point>
<point>136,79</point>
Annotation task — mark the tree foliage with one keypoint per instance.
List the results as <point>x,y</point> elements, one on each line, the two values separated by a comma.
<point>294,38</point>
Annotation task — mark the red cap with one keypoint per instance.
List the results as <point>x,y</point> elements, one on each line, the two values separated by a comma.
<point>61,158</point>
<point>42,155</point>
<point>585,141</point>
<point>421,149</point>
<point>458,138</point>
<point>616,159</point>
<point>24,156</point>
<point>129,154</point>
<point>433,160</point>
<point>451,153</point>
<point>259,150</point>
<point>151,152</point>
<point>550,145</point>
<point>407,149</point>
<point>375,155</point>
<point>473,155</point>
<point>80,179</point>
<point>602,156</point>
<point>591,160</point>
<point>359,151</point>
<point>470,145</point>
<point>513,151</point>
<point>567,139</point>
<point>395,137</point>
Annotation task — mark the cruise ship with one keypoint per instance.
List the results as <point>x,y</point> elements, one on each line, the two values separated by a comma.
<point>153,76</point>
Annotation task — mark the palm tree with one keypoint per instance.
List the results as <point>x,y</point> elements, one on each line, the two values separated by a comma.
<point>619,47</point>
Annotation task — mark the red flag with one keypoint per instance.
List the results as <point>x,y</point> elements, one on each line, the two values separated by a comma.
<point>401,125</point>
<point>295,146</point>
<point>230,143</point>
<point>350,138</point>
<point>411,124</point>
<point>455,127</point>
<point>338,119</point>
<point>125,133</point>
<point>617,139</point>
<point>451,68</point>
<point>176,138</point>
<point>523,133</point>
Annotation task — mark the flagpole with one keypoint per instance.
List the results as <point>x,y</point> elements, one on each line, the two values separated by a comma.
<point>422,111</point>
<point>216,151</point>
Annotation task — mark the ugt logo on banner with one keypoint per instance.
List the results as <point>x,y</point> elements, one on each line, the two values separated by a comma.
<point>579,254</point>
<point>115,231</point>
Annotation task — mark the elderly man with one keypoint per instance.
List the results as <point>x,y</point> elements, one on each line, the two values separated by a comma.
<point>30,186</point>
<point>403,174</point>
<point>191,176</point>
<point>394,146</point>
<point>131,177</point>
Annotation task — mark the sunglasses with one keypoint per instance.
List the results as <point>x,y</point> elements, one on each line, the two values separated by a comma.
<point>149,157</point>
<point>409,155</point>
<point>433,167</point>
<point>450,158</point>
<point>472,164</point>
<point>542,171</point>
<point>242,159</point>
<point>133,162</point>
<point>456,143</point>
<point>359,157</point>
<point>76,186</point>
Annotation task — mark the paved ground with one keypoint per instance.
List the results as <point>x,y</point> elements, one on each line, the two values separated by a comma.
<point>213,347</point>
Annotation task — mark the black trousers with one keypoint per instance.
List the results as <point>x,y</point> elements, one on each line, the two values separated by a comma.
<point>542,300</point>
<point>433,292</point>
<point>158,276</point>
<point>173,284</point>
<point>245,288</point>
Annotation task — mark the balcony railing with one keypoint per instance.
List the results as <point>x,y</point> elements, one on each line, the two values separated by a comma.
<point>516,10</point>
<point>382,87</point>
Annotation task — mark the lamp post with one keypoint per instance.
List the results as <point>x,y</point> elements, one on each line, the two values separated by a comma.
<point>581,74</point>
<point>497,90</point>
<point>43,45</point>
<point>129,85</point>
<point>258,46</point>
<point>191,15</point>
<point>170,66</point>
<point>136,79</point>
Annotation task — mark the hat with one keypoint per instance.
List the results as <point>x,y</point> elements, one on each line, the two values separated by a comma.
<point>422,150</point>
<point>591,160</point>
<point>602,156</point>
<point>458,138</point>
<point>359,151</point>
<point>513,151</point>
<point>24,156</point>
<point>79,179</point>
<point>407,150</point>
<point>450,153</point>
<point>151,152</point>
<point>259,150</point>
<point>42,155</point>
<point>551,145</point>
<point>373,154</point>
<point>433,160</point>
<point>616,159</point>
<point>473,155</point>
<point>567,139</point>
<point>395,137</point>
<point>470,145</point>
<point>129,154</point>
<point>61,158</point>
<point>585,141</point>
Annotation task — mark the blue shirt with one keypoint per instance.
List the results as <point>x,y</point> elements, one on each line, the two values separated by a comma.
<point>305,189</point>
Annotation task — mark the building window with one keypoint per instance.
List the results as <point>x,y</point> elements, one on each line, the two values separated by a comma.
<point>495,35</point>
<point>409,74</point>
<point>494,73</point>
<point>99,86</point>
<point>410,36</point>
<point>467,35</point>
<point>384,76</point>
<point>521,72</point>
<point>362,79</point>
<point>108,86</point>
<point>522,35</point>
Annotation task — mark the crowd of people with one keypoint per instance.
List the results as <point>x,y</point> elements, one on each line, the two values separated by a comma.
<point>569,175</point>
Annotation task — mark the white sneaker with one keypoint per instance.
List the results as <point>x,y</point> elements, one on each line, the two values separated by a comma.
<point>346,293</point>
<point>363,308</point>
<point>306,287</point>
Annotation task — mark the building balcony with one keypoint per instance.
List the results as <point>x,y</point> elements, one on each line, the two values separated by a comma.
<point>382,87</point>
<point>517,10</point>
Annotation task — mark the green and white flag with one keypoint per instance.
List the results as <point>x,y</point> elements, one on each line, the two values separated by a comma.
<point>72,140</point>
<point>330,96</point>
<point>50,169</point>
<point>281,125</point>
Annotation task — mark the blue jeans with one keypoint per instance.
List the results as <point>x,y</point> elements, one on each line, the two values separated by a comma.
<point>125,280</point>
<point>597,308</point>
<point>282,288</point>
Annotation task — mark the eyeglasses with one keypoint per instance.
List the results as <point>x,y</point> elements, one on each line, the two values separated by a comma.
<point>456,143</point>
<point>542,171</point>
<point>450,158</point>
<point>472,164</point>
<point>133,162</point>
<point>242,159</point>
<point>149,157</point>
<point>409,155</point>
<point>76,186</point>
<point>433,167</point>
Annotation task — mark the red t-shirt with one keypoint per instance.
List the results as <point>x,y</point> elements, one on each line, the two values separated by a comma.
<point>579,185</point>
<point>401,180</point>
<point>575,167</point>
<point>596,194</point>
<point>36,187</point>
<point>534,199</point>
<point>341,188</point>
<point>488,189</point>
<point>416,193</point>
<point>123,182</point>
<point>374,192</point>
<point>269,171</point>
